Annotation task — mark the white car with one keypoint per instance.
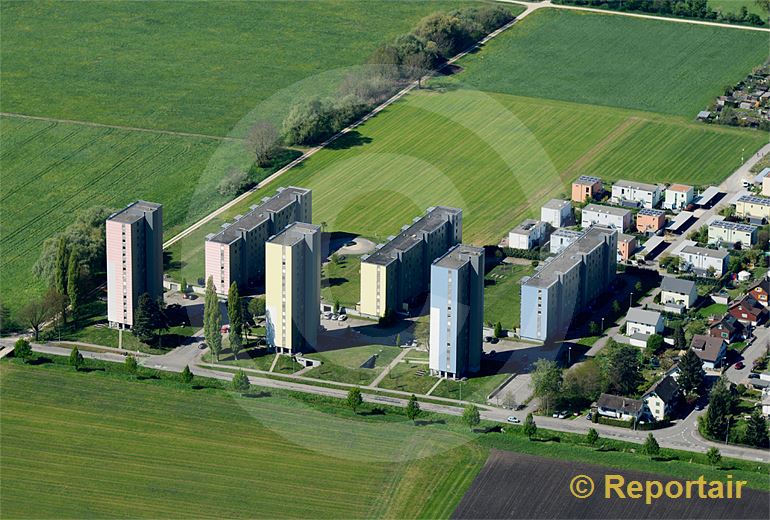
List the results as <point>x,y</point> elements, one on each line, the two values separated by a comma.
<point>513,420</point>
<point>343,317</point>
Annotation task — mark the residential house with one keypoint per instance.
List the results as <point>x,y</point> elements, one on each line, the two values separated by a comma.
<point>586,187</point>
<point>761,291</point>
<point>678,196</point>
<point>748,311</point>
<point>528,235</point>
<point>650,220</point>
<point>619,407</point>
<point>676,292</point>
<point>701,259</point>
<point>711,350</point>
<point>752,206</point>
<point>643,322</point>
<point>728,328</point>
<point>723,232</point>
<point>766,187</point>
<point>557,213</point>
<point>661,398</point>
<point>609,216</point>
<point>626,246</point>
<point>766,404</point>
<point>645,195</point>
<point>561,238</point>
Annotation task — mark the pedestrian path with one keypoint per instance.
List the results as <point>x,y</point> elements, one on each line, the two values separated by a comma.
<point>390,367</point>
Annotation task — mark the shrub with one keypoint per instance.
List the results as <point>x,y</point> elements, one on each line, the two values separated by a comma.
<point>233,183</point>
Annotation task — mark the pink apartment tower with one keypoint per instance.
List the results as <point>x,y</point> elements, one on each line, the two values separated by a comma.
<point>134,259</point>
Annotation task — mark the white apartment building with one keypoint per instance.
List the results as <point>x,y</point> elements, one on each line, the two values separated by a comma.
<point>528,235</point>
<point>700,259</point>
<point>646,195</point>
<point>557,213</point>
<point>607,216</point>
<point>678,196</point>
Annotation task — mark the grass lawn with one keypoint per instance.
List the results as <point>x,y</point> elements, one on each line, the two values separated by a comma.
<point>342,281</point>
<point>715,309</point>
<point>498,157</point>
<point>257,357</point>
<point>475,389</point>
<point>502,294</point>
<point>224,60</point>
<point>616,61</point>
<point>344,365</point>
<point>404,377</point>
<point>734,6</point>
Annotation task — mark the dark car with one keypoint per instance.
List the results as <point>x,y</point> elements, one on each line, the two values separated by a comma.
<point>753,376</point>
<point>739,365</point>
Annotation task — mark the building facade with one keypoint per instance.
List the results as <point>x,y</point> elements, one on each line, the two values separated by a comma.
<point>586,187</point>
<point>676,291</point>
<point>644,322</point>
<point>627,245</point>
<point>724,232</point>
<point>752,206</point>
<point>678,196</point>
<point>399,270</point>
<point>457,312</point>
<point>650,220</point>
<point>293,288</point>
<point>567,284</point>
<point>528,235</point>
<point>646,195</point>
<point>237,253</point>
<point>701,259</point>
<point>557,213</point>
<point>607,216</point>
<point>134,242</point>
<point>561,238</point>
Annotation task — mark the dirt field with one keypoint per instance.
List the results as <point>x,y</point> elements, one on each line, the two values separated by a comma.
<point>512,485</point>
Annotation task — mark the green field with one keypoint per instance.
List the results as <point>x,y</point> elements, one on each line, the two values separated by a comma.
<point>342,281</point>
<point>344,365</point>
<point>187,66</point>
<point>619,61</point>
<point>496,156</point>
<point>734,6</point>
<point>502,294</point>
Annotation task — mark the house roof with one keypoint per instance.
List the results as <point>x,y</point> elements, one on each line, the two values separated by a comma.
<point>728,322</point>
<point>620,403</point>
<point>704,251</point>
<point>609,210</point>
<point>677,285</point>
<point>587,179</point>
<point>557,204</point>
<point>706,347</point>
<point>666,389</point>
<point>763,284</point>
<point>643,316</point>
<point>749,303</point>
<point>679,187</point>
<point>636,185</point>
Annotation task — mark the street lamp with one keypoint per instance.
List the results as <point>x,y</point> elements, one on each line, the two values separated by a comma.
<point>727,433</point>
<point>630,298</point>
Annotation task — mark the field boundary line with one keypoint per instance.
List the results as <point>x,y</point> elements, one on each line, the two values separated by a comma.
<point>312,151</point>
<point>619,131</point>
<point>119,127</point>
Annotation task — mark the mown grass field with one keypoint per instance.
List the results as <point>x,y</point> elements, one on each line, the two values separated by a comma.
<point>74,446</point>
<point>619,61</point>
<point>191,66</point>
<point>344,364</point>
<point>496,156</point>
<point>502,294</point>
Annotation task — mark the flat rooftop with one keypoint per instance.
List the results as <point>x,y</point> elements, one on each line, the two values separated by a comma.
<point>684,188</point>
<point>294,233</point>
<point>651,212</point>
<point>556,204</point>
<point>569,257</point>
<point>755,199</point>
<point>570,233</point>
<point>258,215</point>
<point>526,227</point>
<point>458,256</point>
<point>704,251</point>
<point>587,179</point>
<point>412,235</point>
<point>737,226</point>
<point>607,210</point>
<point>134,211</point>
<point>635,185</point>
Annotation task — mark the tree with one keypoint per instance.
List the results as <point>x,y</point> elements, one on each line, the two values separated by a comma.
<point>471,416</point>
<point>713,456</point>
<point>593,328</point>
<point>651,448</point>
<point>691,373</point>
<point>61,265</point>
<point>763,4</point>
<point>186,376</point>
<point>679,338</point>
<point>183,287</point>
<point>546,382</point>
<point>212,319</point>
<point>622,370</point>
<point>412,408</point>
<point>592,436</point>
<point>233,183</point>
<point>263,140</point>
<point>235,315</point>
<point>73,282</point>
<point>147,319</point>
<point>398,340</point>
<point>308,122</point>
<point>131,365</point>
<point>716,420</point>
<point>582,383</point>
<point>76,359</point>
<point>240,382</point>
<point>336,306</point>
<point>22,349</point>
<point>616,307</point>
<point>655,343</point>
<point>756,430</point>
<point>498,330</point>
<point>355,399</point>
<point>257,306</point>
<point>530,428</point>
<point>35,313</point>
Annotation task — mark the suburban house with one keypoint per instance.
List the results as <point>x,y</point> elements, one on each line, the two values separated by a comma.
<point>661,398</point>
<point>701,259</point>
<point>528,235</point>
<point>557,213</point>
<point>766,187</point>
<point>710,350</point>
<point>748,311</point>
<point>641,322</point>
<point>678,293</point>
<point>678,196</point>
<point>752,206</point>
<point>626,246</point>
<point>766,404</point>
<point>650,220</point>
<point>617,218</point>
<point>728,328</point>
<point>645,195</point>
<point>619,407</point>
<point>561,238</point>
<point>586,187</point>
<point>761,291</point>
<point>729,233</point>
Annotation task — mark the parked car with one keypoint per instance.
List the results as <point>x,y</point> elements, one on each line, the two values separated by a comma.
<point>562,415</point>
<point>335,316</point>
<point>513,420</point>
<point>343,317</point>
<point>327,315</point>
<point>753,376</point>
<point>589,416</point>
<point>739,365</point>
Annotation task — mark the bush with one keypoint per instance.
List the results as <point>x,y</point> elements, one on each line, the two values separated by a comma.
<point>22,349</point>
<point>240,382</point>
<point>235,182</point>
